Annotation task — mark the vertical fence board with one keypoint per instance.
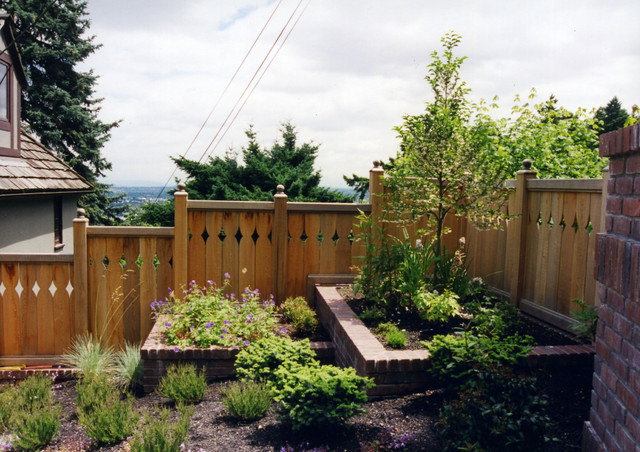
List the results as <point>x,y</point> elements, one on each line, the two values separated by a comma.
<point>115,296</point>
<point>196,247</point>
<point>530,222</point>
<point>44,302</point>
<point>264,254</point>
<point>131,286</point>
<point>563,296</point>
<point>542,256</point>
<point>590,292</point>
<point>295,254</point>
<point>63,309</point>
<point>327,246</point>
<point>247,251</point>
<point>312,245</point>
<point>553,257</point>
<point>164,272</point>
<point>12,334</point>
<point>213,248</point>
<point>148,289</point>
<point>230,249</point>
<point>580,249</point>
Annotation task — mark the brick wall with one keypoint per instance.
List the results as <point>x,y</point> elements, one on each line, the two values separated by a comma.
<point>614,423</point>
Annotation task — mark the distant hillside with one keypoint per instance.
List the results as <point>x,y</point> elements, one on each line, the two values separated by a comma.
<point>136,196</point>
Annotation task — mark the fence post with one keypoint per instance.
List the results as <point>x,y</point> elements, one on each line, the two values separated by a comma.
<point>279,243</point>
<point>517,233</point>
<point>80,273</point>
<point>376,190</point>
<point>603,205</point>
<point>181,238</point>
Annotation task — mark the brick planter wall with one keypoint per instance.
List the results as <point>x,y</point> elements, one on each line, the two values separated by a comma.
<point>614,419</point>
<point>404,371</point>
<point>216,361</point>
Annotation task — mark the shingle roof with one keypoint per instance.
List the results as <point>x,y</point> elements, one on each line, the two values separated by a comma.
<point>38,170</point>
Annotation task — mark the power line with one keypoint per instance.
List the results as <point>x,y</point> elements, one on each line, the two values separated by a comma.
<point>206,151</point>
<point>221,96</point>
<point>262,75</point>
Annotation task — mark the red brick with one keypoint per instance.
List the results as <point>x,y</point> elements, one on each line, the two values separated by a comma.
<point>596,422</point>
<point>634,380</point>
<point>611,443</point>
<point>633,164</point>
<point>624,439</point>
<point>605,314</point>
<point>631,354</point>
<point>622,226</point>
<point>629,399</point>
<point>631,207</point>
<point>624,185</point>
<point>606,416</point>
<point>608,223</point>
<point>599,387</point>
<point>603,148</point>
<point>635,230</point>
<point>633,425</point>
<point>615,300</point>
<point>619,366</point>
<point>622,325</point>
<point>616,168</point>
<point>609,378</point>
<point>614,205</point>
<point>634,137</point>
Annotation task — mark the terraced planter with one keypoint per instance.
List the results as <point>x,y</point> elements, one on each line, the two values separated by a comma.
<point>404,371</point>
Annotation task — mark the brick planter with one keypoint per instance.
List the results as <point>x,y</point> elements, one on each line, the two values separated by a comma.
<point>217,362</point>
<point>404,371</point>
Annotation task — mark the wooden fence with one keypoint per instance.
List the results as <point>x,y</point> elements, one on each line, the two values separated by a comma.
<point>541,259</point>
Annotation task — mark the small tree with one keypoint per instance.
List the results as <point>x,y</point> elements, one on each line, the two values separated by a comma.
<point>449,160</point>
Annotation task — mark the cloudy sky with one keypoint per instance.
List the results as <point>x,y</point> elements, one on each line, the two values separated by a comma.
<point>345,77</point>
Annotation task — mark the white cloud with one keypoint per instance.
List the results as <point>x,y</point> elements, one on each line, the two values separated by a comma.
<point>346,76</point>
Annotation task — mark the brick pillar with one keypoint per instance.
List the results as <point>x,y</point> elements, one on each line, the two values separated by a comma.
<point>614,423</point>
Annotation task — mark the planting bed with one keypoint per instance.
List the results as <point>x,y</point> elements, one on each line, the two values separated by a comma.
<point>403,371</point>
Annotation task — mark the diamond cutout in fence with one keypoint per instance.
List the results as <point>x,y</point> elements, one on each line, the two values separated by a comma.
<point>255,236</point>
<point>69,288</point>
<point>304,237</point>
<point>36,288</point>
<point>205,235</point>
<point>238,235</point>
<point>105,262</point>
<point>2,288</point>
<point>335,238</point>
<point>52,289</point>
<point>19,288</point>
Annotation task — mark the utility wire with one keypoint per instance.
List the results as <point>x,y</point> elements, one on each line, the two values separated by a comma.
<point>220,97</point>
<point>262,75</point>
<point>206,151</point>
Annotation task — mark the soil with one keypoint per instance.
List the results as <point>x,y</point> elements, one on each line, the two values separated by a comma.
<point>409,420</point>
<point>418,331</point>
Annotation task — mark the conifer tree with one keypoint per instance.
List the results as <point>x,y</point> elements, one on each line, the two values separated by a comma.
<point>58,104</point>
<point>613,116</point>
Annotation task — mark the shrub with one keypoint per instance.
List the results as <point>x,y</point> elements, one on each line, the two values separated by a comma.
<point>246,401</point>
<point>262,358</point>
<point>300,315</point>
<point>158,434</point>
<point>206,316</point>
<point>394,337</point>
<point>183,384</point>
<point>35,428</point>
<point>586,321</point>
<point>455,359</point>
<point>435,307</point>
<point>373,315</point>
<point>502,319</point>
<point>7,405</point>
<point>106,418</point>
<point>322,395</point>
<point>90,357</point>
<point>34,418</point>
<point>128,371</point>
<point>499,411</point>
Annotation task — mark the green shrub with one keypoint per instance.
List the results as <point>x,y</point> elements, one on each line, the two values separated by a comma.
<point>246,401</point>
<point>394,337</point>
<point>302,318</point>
<point>35,428</point>
<point>498,411</point>
<point>586,321</point>
<point>373,315</point>
<point>206,316</point>
<point>183,384</point>
<point>262,358</point>
<point>128,371</point>
<point>105,417</point>
<point>502,319</point>
<point>158,434</point>
<point>90,357</point>
<point>33,419</point>
<point>8,396</point>
<point>323,395</point>
<point>435,307</point>
<point>455,359</point>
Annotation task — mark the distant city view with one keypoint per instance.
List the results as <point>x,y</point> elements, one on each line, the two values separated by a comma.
<point>136,196</point>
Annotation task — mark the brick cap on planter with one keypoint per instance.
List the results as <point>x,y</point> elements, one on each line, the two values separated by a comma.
<point>621,141</point>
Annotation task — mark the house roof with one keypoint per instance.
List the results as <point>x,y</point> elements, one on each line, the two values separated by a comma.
<point>6,28</point>
<point>38,171</point>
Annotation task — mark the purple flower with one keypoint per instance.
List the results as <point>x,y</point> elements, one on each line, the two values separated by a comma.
<point>167,324</point>
<point>169,289</point>
<point>153,304</point>
<point>193,282</point>
<point>225,331</point>
<point>249,316</point>
<point>209,282</point>
<point>208,325</point>
<point>227,322</point>
<point>184,292</point>
<point>159,302</point>
<point>227,276</point>
<point>247,343</point>
<point>283,331</point>
<point>246,290</point>
<point>176,349</point>
<point>222,336</point>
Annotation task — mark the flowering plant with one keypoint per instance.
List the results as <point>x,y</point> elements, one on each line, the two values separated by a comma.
<point>207,316</point>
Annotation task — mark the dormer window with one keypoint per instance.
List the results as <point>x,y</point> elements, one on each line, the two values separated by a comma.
<point>12,78</point>
<point>4,91</point>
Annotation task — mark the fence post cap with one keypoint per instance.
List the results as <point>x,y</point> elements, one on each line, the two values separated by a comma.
<point>526,164</point>
<point>280,189</point>
<point>80,212</point>
<point>181,186</point>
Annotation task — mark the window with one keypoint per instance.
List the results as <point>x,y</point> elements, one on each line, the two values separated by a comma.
<point>4,92</point>
<point>57,223</point>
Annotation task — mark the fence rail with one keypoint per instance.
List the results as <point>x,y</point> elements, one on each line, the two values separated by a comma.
<point>541,258</point>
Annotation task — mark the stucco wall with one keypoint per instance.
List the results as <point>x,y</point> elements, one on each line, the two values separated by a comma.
<point>26,224</point>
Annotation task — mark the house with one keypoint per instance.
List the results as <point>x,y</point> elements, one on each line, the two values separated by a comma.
<point>38,191</point>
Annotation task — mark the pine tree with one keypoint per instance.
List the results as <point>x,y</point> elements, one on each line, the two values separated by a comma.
<point>613,116</point>
<point>58,104</point>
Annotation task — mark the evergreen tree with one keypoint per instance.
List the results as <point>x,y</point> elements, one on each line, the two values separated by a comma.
<point>262,170</point>
<point>613,116</point>
<point>58,103</point>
